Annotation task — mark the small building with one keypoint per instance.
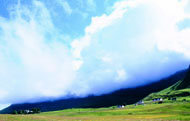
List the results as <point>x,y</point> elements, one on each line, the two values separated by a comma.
<point>141,102</point>
<point>28,111</point>
<point>158,100</point>
<point>120,106</point>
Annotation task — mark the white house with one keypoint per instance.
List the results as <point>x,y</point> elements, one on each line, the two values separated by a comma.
<point>141,102</point>
<point>157,99</point>
<point>121,106</point>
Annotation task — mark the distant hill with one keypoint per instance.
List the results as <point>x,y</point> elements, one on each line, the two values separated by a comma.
<point>180,89</point>
<point>123,96</point>
<point>186,82</point>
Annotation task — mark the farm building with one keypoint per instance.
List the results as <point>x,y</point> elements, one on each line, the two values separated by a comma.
<point>141,102</point>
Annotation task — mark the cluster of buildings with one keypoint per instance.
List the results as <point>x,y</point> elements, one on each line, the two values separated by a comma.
<point>28,111</point>
<point>141,102</point>
<point>120,106</point>
<point>157,100</point>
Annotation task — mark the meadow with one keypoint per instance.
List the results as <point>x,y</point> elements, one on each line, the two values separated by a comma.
<point>149,112</point>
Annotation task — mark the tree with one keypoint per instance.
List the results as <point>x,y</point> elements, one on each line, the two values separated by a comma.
<point>20,112</point>
<point>15,112</point>
<point>36,110</point>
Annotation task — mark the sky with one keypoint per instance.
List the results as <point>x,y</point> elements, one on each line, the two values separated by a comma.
<point>63,48</point>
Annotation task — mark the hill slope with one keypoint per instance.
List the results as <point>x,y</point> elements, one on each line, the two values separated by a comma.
<point>180,89</point>
<point>124,96</point>
<point>186,82</point>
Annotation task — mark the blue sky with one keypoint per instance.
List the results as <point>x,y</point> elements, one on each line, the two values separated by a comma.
<point>52,49</point>
<point>69,14</point>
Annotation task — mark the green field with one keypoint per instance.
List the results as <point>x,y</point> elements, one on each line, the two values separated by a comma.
<point>147,112</point>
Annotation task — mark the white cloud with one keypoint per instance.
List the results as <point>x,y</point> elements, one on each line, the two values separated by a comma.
<point>77,64</point>
<point>3,94</point>
<point>107,59</point>
<point>39,66</point>
<point>134,32</point>
<point>2,106</point>
<point>165,15</point>
<point>98,23</point>
<point>121,75</point>
<point>168,36</point>
<point>138,41</point>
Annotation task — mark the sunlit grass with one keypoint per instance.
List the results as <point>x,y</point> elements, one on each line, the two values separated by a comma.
<point>165,111</point>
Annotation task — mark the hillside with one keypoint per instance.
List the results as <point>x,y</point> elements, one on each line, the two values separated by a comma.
<point>180,90</point>
<point>150,112</point>
<point>185,83</point>
<point>124,96</point>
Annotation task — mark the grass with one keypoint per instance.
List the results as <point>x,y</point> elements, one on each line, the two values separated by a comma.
<point>169,110</point>
<point>171,92</point>
<point>147,112</point>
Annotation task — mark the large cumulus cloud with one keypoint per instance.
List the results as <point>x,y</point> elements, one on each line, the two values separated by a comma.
<point>137,43</point>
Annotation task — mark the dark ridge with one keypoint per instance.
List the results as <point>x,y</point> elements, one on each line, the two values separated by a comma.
<point>186,82</point>
<point>123,96</point>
